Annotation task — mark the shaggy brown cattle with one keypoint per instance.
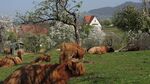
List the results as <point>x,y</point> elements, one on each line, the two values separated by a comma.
<point>21,51</point>
<point>70,50</point>
<point>46,73</point>
<point>10,60</point>
<point>100,50</point>
<point>7,51</point>
<point>43,58</point>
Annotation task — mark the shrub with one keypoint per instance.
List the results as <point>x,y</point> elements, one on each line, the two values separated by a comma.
<point>35,42</point>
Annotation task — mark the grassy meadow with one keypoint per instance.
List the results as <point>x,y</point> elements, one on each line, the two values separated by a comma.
<point>114,30</point>
<point>110,68</point>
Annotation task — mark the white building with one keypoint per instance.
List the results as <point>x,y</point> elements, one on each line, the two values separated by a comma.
<point>96,35</point>
<point>93,21</point>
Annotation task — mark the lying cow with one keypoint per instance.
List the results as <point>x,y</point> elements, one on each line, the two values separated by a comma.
<point>7,51</point>
<point>71,50</point>
<point>46,73</point>
<point>11,60</point>
<point>100,50</point>
<point>42,58</point>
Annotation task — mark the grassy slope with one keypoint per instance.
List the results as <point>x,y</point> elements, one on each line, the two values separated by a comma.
<point>111,68</point>
<point>115,30</point>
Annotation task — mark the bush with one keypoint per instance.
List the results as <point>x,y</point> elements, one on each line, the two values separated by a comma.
<point>140,40</point>
<point>95,37</point>
<point>60,33</point>
<point>35,42</point>
<point>128,19</point>
<point>106,23</point>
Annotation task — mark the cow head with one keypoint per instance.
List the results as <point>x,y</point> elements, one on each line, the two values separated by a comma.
<point>47,58</point>
<point>110,49</point>
<point>75,67</point>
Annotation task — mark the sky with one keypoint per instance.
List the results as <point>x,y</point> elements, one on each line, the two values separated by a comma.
<point>10,7</point>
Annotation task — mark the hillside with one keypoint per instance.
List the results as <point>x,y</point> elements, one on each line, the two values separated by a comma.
<point>108,12</point>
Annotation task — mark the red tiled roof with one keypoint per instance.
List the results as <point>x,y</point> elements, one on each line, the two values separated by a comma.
<point>35,29</point>
<point>88,19</point>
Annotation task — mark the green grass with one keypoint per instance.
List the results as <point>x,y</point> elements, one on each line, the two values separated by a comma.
<point>115,30</point>
<point>110,68</point>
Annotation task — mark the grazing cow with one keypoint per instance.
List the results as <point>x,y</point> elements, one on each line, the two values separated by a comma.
<point>10,60</point>
<point>46,73</point>
<point>43,58</point>
<point>100,50</point>
<point>70,50</point>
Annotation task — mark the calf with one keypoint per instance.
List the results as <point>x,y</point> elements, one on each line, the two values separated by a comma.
<point>46,73</point>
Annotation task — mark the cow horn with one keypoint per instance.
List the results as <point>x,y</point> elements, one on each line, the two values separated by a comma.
<point>70,57</point>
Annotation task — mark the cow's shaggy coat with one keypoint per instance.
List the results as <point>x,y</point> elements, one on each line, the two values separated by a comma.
<point>46,73</point>
<point>42,58</point>
<point>11,60</point>
<point>71,50</point>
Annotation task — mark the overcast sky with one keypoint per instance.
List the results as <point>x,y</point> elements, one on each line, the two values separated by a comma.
<point>10,7</point>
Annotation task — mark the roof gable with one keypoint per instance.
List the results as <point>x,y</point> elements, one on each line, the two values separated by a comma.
<point>88,19</point>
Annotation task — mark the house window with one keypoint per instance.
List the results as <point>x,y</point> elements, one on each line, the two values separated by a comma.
<point>94,24</point>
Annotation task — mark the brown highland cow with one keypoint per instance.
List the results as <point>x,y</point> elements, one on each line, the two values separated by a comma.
<point>43,58</point>
<point>7,51</point>
<point>46,73</point>
<point>70,50</point>
<point>11,60</point>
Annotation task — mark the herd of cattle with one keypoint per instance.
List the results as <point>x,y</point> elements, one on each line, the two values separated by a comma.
<point>70,65</point>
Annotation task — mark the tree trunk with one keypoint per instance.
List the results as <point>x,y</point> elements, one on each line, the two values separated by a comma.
<point>1,38</point>
<point>76,29</point>
<point>77,35</point>
<point>146,10</point>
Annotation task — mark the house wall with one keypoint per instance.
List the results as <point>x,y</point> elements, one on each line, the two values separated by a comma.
<point>95,22</point>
